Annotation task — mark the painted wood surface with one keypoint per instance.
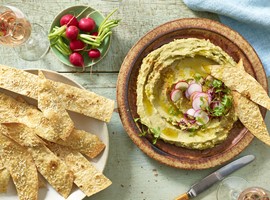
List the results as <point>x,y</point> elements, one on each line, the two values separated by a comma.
<point>134,175</point>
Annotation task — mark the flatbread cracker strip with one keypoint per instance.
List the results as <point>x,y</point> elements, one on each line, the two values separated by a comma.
<point>87,177</point>
<point>52,108</point>
<point>12,111</point>
<point>249,114</point>
<point>53,169</point>
<point>20,132</point>
<point>4,177</point>
<point>84,142</point>
<point>49,165</point>
<point>236,78</point>
<point>21,168</point>
<point>75,99</point>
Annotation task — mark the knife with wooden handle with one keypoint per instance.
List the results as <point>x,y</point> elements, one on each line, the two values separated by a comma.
<point>216,176</point>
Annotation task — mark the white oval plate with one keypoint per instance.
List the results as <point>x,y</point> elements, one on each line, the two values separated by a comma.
<point>81,122</point>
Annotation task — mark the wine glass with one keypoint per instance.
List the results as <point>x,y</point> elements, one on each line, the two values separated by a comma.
<point>28,40</point>
<point>237,188</point>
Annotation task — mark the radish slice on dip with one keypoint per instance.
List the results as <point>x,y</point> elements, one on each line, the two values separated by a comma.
<point>200,103</point>
<point>194,87</point>
<point>176,95</point>
<point>190,112</point>
<point>187,94</point>
<point>201,117</point>
<point>181,85</point>
<point>192,96</point>
<point>201,94</point>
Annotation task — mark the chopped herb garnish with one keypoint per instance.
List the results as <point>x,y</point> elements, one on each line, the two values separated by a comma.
<point>156,134</point>
<point>143,133</point>
<point>137,119</point>
<point>218,111</point>
<point>217,83</point>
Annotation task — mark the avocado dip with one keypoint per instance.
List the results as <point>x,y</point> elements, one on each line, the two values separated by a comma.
<point>179,101</point>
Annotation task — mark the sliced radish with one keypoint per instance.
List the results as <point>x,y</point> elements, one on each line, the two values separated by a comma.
<point>193,95</point>
<point>201,94</point>
<point>201,117</point>
<point>176,95</point>
<point>181,85</point>
<point>187,94</point>
<point>200,103</point>
<point>194,87</point>
<point>191,112</point>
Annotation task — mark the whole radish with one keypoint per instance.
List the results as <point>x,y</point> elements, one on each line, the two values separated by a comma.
<point>69,20</point>
<point>94,33</point>
<point>94,53</point>
<point>87,24</point>
<point>76,59</point>
<point>72,32</point>
<point>76,45</point>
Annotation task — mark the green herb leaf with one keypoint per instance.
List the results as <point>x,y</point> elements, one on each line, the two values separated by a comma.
<point>218,111</point>
<point>143,133</point>
<point>217,83</point>
<point>137,119</point>
<point>226,101</point>
<point>156,134</point>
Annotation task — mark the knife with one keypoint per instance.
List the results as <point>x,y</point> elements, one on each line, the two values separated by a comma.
<point>216,176</point>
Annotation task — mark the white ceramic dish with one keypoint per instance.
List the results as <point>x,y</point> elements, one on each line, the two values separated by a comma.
<point>81,122</point>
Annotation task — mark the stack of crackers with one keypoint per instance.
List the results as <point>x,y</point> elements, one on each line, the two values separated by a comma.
<point>43,141</point>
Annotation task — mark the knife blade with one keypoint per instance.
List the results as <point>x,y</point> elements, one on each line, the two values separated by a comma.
<point>216,176</point>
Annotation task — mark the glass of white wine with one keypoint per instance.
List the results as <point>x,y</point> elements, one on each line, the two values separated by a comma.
<point>28,40</point>
<point>237,188</point>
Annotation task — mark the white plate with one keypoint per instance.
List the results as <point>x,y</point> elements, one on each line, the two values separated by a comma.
<point>81,122</point>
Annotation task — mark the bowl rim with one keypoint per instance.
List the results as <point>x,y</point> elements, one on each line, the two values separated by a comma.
<point>122,88</point>
<point>66,10</point>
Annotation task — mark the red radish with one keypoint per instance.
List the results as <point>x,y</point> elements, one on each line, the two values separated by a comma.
<point>201,117</point>
<point>182,85</point>
<point>72,32</point>
<point>76,59</point>
<point>94,34</point>
<point>94,53</point>
<point>87,24</point>
<point>200,103</point>
<point>76,45</point>
<point>176,95</point>
<point>194,87</point>
<point>69,20</point>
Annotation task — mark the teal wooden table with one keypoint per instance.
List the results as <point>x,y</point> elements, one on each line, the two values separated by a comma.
<point>134,175</point>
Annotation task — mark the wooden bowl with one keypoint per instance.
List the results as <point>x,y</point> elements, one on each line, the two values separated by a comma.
<point>232,43</point>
